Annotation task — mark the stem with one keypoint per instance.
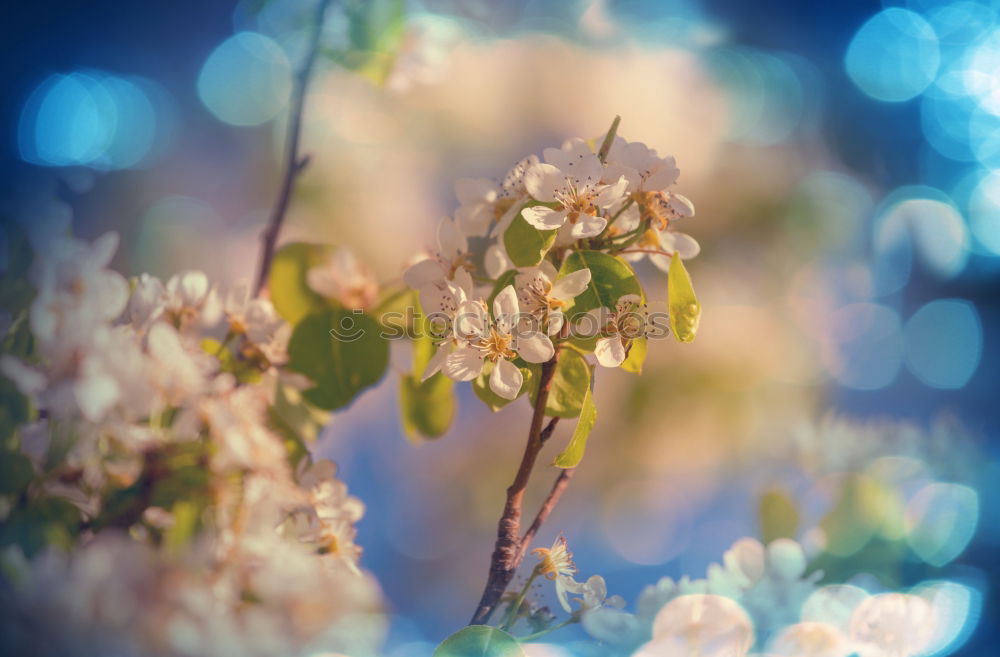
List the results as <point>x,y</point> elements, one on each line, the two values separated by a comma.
<point>615,216</point>
<point>608,139</point>
<point>562,481</point>
<point>516,605</point>
<point>531,637</point>
<point>293,162</point>
<point>509,548</point>
<point>653,251</point>
<point>635,236</point>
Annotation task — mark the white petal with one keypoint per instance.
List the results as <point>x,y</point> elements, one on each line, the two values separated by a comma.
<point>470,320</point>
<point>681,205</point>
<point>542,181</point>
<point>507,219</point>
<point>497,261</point>
<point>451,240</point>
<point>461,284</point>
<point>544,218</point>
<point>463,364</point>
<point>610,351</point>
<point>663,175</point>
<point>437,361</point>
<point>548,269</point>
<point>535,348</point>
<point>571,285</point>
<point>686,246</point>
<point>470,191</point>
<point>505,304</point>
<point>588,226</point>
<point>506,379</point>
<point>423,273</point>
<point>556,321</point>
<point>474,219</point>
<point>611,194</point>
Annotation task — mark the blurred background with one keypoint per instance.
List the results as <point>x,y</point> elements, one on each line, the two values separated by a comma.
<point>844,159</point>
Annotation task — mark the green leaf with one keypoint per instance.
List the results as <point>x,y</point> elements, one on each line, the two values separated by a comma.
<point>779,517</point>
<point>481,386</point>
<point>244,370</point>
<point>16,473</point>
<point>15,409</point>
<point>290,293</point>
<point>295,418</point>
<point>570,385</point>
<point>610,279</point>
<point>525,244</point>
<point>636,356</point>
<point>479,641</point>
<point>573,454</point>
<point>375,30</point>
<point>685,311</point>
<point>428,407</point>
<point>187,521</point>
<point>342,351</point>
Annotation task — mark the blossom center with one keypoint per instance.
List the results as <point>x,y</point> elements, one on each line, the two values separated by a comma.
<point>497,345</point>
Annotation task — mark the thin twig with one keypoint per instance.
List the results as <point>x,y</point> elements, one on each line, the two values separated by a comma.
<point>653,251</point>
<point>562,481</point>
<point>508,551</point>
<point>293,162</point>
<point>548,430</point>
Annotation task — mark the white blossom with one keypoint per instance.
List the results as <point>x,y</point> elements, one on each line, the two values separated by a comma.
<point>570,180</point>
<point>483,338</point>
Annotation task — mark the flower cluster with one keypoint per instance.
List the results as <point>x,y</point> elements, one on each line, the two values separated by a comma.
<point>764,598</point>
<point>154,441</point>
<point>552,241</point>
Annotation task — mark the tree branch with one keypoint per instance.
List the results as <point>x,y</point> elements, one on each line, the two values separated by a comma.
<point>293,162</point>
<point>562,481</point>
<point>508,551</point>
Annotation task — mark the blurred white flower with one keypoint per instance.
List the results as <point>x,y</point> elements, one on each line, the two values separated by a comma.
<point>893,625</point>
<point>451,255</point>
<point>489,208</point>
<point>810,639</point>
<point>700,624</point>
<point>344,278</point>
<point>192,303</point>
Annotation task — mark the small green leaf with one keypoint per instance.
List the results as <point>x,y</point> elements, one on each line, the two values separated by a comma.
<point>570,385</point>
<point>610,279</point>
<point>16,473</point>
<point>481,386</point>
<point>573,454</point>
<point>296,419</point>
<point>479,641</point>
<point>525,244</point>
<point>779,517</point>
<point>187,521</point>
<point>290,293</point>
<point>636,356</point>
<point>342,351</point>
<point>427,407</point>
<point>685,311</point>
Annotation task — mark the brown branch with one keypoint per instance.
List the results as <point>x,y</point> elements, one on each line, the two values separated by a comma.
<point>562,481</point>
<point>293,162</point>
<point>508,551</point>
<point>547,431</point>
